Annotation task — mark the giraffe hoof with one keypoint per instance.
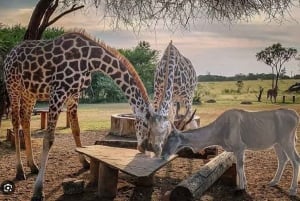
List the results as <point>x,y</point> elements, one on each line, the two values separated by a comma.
<point>34,170</point>
<point>37,198</point>
<point>20,176</point>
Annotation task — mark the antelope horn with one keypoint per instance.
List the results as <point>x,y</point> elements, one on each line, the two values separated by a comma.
<point>184,123</point>
<point>181,121</point>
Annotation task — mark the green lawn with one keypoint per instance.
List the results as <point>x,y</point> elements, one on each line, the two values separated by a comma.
<point>227,90</point>
<point>97,116</point>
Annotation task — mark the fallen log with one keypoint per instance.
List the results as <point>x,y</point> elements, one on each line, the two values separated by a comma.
<point>199,182</point>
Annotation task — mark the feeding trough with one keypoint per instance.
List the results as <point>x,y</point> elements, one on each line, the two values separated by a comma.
<point>122,134</point>
<point>123,125</point>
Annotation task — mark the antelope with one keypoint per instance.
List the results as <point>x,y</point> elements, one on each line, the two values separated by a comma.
<point>238,130</point>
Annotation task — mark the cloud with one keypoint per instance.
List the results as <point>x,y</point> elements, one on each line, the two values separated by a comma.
<point>217,48</point>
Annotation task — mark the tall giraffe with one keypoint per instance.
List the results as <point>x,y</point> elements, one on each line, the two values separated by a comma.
<point>175,82</point>
<point>57,70</point>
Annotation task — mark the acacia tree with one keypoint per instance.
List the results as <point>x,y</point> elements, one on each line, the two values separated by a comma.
<point>276,56</point>
<point>144,13</point>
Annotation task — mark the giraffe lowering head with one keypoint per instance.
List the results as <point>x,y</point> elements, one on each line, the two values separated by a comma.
<point>58,70</point>
<point>175,81</point>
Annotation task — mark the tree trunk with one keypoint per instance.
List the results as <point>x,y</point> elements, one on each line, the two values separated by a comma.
<point>34,31</point>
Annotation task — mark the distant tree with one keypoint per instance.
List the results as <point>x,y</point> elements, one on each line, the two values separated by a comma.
<point>144,59</point>
<point>276,56</point>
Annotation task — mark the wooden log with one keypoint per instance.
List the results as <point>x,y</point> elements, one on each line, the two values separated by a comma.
<point>199,182</point>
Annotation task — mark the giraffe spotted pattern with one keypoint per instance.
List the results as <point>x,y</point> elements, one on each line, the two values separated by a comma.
<point>58,70</point>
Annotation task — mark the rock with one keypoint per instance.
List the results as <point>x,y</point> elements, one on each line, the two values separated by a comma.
<point>72,186</point>
<point>211,101</point>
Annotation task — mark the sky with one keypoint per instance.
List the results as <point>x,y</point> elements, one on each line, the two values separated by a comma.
<point>216,48</point>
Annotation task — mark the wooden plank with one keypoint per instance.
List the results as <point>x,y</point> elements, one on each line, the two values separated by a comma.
<point>129,161</point>
<point>199,182</point>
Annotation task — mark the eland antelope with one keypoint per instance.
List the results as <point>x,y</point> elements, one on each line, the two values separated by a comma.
<point>238,130</point>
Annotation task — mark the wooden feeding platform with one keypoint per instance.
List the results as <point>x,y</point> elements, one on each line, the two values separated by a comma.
<point>122,134</point>
<point>106,162</point>
<point>44,116</point>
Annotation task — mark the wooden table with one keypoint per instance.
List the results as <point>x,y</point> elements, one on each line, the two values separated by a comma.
<point>107,161</point>
<point>44,116</point>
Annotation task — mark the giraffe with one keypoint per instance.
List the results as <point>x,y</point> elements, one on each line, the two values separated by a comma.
<point>175,82</point>
<point>58,70</point>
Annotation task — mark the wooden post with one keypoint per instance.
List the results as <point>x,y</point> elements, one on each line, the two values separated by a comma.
<point>283,99</point>
<point>145,181</point>
<point>94,172</point>
<point>67,119</point>
<point>294,99</point>
<point>44,119</point>
<point>199,182</point>
<point>107,182</point>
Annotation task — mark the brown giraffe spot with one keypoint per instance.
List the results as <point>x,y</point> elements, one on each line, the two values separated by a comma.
<point>96,63</point>
<point>27,75</point>
<point>73,64</point>
<point>67,44</point>
<point>48,56</point>
<point>58,59</point>
<point>80,42</point>
<point>57,50</point>
<point>116,75</point>
<point>85,51</point>
<point>41,60</point>
<point>107,59</point>
<point>48,48</point>
<point>68,72</point>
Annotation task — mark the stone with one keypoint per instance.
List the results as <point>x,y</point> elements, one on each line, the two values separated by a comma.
<point>73,186</point>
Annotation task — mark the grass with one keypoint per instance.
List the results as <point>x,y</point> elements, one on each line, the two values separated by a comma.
<point>227,90</point>
<point>95,117</point>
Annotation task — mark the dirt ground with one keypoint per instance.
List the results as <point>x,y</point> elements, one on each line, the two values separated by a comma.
<point>63,163</point>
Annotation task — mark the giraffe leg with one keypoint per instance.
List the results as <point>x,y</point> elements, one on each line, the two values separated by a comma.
<point>15,118</point>
<point>54,111</point>
<point>25,114</point>
<point>72,111</point>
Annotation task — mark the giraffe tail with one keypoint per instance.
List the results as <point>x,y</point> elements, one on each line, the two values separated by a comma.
<point>4,100</point>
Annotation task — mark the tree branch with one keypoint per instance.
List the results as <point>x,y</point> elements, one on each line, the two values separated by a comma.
<point>72,9</point>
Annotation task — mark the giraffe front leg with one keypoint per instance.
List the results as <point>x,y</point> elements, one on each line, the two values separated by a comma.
<point>25,114</point>
<point>72,111</point>
<point>38,194</point>
<point>20,175</point>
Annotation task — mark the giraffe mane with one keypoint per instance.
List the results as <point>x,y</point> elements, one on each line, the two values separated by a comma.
<point>121,59</point>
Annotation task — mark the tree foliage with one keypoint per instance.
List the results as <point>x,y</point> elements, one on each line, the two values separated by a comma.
<point>144,59</point>
<point>181,13</point>
<point>103,89</point>
<point>276,56</point>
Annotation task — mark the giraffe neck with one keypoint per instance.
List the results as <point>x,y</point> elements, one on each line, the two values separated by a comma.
<point>110,62</point>
<point>169,61</point>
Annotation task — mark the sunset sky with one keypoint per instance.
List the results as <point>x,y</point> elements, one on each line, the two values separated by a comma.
<point>215,48</point>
